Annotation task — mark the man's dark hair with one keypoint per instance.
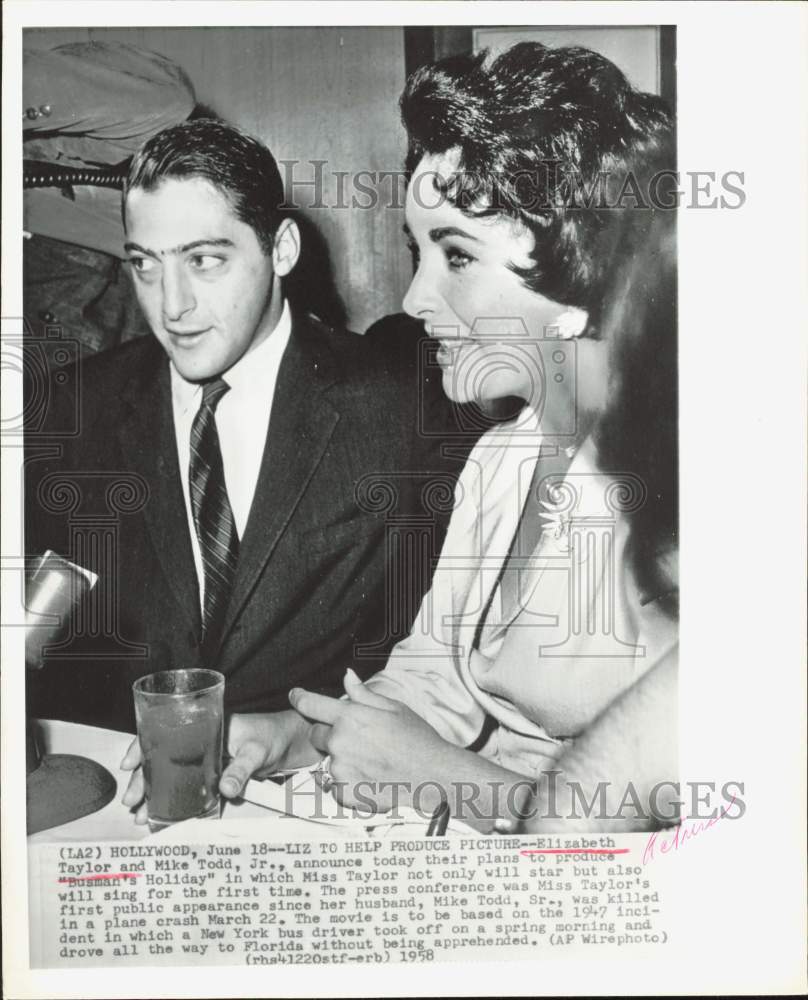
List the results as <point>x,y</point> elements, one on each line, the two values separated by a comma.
<point>236,164</point>
<point>546,136</point>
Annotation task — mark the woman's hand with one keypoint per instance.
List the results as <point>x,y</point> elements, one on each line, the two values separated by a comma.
<point>377,742</point>
<point>258,744</point>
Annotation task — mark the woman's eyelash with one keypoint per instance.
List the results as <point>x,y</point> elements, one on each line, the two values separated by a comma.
<point>458,258</point>
<point>412,246</point>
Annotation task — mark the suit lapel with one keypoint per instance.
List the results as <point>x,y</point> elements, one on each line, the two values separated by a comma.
<point>300,426</point>
<point>148,443</point>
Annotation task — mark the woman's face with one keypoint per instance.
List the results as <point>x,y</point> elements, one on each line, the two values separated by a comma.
<point>488,323</point>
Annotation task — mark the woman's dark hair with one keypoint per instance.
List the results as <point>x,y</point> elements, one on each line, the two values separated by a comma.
<point>236,164</point>
<point>637,434</point>
<point>554,137</point>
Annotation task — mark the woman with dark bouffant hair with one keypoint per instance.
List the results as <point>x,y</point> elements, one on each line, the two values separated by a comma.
<point>544,653</point>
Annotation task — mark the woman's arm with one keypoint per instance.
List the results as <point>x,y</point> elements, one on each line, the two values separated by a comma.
<point>382,752</point>
<point>624,762</point>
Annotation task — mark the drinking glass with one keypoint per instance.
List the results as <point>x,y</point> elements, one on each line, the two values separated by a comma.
<point>180,727</point>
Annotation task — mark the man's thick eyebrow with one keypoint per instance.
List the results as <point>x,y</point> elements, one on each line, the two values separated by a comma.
<point>183,248</point>
<point>137,248</point>
<point>436,235</point>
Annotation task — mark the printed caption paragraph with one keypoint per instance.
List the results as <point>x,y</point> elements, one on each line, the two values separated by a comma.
<point>338,902</point>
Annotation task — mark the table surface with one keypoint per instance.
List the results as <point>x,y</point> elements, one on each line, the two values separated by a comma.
<point>114,821</point>
<point>264,802</point>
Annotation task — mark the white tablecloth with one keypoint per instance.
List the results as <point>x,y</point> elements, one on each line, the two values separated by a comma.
<point>114,821</point>
<point>246,819</point>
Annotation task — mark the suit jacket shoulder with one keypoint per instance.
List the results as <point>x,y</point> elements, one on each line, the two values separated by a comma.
<point>84,399</point>
<point>356,357</point>
<point>383,381</point>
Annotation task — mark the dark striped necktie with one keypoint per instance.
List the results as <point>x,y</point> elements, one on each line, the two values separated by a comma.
<point>213,518</point>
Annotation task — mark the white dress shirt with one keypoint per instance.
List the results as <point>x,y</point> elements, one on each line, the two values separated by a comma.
<point>577,635</point>
<point>242,422</point>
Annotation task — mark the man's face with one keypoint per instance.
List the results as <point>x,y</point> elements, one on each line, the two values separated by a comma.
<point>202,279</point>
<point>488,323</point>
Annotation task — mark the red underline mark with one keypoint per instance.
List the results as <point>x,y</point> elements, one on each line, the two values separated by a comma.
<point>578,850</point>
<point>92,878</point>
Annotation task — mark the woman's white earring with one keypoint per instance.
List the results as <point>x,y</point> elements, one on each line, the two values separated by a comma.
<point>572,323</point>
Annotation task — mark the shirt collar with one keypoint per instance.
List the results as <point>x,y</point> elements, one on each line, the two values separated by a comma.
<point>254,370</point>
<point>249,374</point>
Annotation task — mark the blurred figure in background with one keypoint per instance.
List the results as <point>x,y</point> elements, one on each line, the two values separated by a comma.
<point>87,107</point>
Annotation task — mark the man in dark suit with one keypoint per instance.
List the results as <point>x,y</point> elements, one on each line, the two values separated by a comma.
<point>248,483</point>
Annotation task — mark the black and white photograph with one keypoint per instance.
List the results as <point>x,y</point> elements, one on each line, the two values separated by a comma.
<point>371,387</point>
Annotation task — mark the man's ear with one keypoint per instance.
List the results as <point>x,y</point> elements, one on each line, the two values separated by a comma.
<point>286,251</point>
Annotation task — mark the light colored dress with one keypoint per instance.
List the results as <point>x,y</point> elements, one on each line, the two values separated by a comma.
<point>541,641</point>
